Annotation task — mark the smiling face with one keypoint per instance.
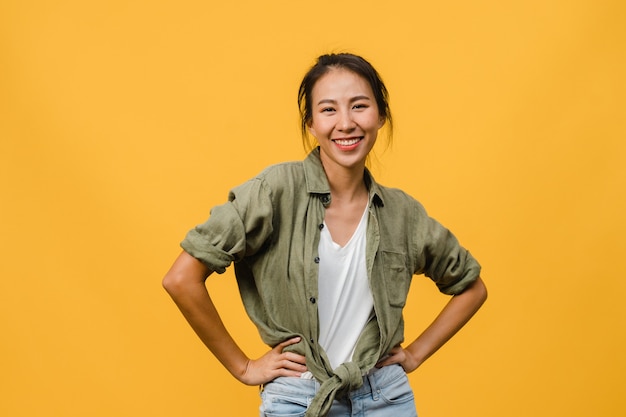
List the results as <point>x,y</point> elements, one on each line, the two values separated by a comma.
<point>345,120</point>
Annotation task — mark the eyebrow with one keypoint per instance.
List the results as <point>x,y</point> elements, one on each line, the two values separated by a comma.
<point>353,99</point>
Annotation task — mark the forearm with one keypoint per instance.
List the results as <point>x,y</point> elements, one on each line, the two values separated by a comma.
<point>199,311</point>
<point>185,284</point>
<point>452,318</point>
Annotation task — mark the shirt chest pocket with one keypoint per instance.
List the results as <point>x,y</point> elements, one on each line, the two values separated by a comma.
<point>397,277</point>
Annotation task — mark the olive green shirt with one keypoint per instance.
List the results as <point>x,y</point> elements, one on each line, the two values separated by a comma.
<point>270,228</point>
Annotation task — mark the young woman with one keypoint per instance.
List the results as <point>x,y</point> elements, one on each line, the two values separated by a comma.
<point>324,258</point>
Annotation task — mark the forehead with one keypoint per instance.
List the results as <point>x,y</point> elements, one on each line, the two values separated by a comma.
<point>340,83</point>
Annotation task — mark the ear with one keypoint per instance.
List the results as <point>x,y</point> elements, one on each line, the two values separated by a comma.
<point>381,121</point>
<point>311,129</point>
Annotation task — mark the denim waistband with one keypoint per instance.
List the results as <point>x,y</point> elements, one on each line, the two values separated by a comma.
<point>378,377</point>
<point>372,380</point>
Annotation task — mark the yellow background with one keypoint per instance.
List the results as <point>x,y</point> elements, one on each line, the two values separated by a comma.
<point>123,122</point>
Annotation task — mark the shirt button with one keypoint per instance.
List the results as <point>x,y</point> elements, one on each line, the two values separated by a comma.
<point>312,300</point>
<point>316,260</point>
<point>321,226</point>
<point>312,341</point>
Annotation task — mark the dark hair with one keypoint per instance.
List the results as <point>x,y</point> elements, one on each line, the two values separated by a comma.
<point>350,62</point>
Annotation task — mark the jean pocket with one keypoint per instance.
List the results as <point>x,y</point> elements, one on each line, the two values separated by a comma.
<point>277,402</point>
<point>397,391</point>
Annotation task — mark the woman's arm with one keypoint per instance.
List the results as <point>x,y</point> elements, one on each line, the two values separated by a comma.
<point>185,282</point>
<point>452,318</point>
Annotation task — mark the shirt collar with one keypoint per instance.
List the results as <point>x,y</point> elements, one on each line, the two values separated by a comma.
<point>317,182</point>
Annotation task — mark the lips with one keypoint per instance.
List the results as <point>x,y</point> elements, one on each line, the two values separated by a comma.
<point>347,141</point>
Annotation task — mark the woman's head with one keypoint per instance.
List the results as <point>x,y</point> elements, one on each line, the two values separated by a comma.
<point>349,62</point>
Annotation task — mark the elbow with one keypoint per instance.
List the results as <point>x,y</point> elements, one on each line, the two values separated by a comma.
<point>172,283</point>
<point>476,292</point>
<point>186,273</point>
<point>481,291</point>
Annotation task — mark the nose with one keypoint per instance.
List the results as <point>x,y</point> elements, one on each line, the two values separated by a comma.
<point>345,122</point>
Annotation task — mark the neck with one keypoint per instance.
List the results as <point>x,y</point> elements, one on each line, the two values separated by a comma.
<point>346,184</point>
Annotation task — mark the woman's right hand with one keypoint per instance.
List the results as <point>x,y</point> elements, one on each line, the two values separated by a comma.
<point>274,364</point>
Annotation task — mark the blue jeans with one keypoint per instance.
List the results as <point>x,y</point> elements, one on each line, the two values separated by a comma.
<point>385,392</point>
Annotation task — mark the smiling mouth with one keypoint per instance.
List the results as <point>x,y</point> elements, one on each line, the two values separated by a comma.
<point>347,142</point>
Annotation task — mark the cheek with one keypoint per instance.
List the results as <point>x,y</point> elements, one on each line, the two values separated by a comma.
<point>374,123</point>
<point>318,128</point>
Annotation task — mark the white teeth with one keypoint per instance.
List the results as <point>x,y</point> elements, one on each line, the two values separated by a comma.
<point>346,142</point>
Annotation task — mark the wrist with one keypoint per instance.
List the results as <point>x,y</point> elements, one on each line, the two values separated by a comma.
<point>414,357</point>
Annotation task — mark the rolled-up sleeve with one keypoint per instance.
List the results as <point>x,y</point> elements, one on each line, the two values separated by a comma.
<point>445,261</point>
<point>235,229</point>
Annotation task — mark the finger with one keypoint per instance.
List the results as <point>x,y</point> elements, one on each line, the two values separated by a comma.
<point>289,372</point>
<point>292,366</point>
<point>395,350</point>
<point>288,342</point>
<point>385,362</point>
<point>294,357</point>
<point>396,355</point>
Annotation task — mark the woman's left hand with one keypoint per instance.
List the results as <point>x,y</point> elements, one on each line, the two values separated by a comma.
<point>400,356</point>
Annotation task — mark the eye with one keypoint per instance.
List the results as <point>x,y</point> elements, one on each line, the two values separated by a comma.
<point>360,106</point>
<point>327,110</point>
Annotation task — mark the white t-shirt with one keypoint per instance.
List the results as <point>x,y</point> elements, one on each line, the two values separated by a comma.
<point>345,302</point>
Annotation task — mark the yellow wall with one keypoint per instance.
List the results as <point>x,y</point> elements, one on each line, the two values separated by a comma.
<point>122,123</point>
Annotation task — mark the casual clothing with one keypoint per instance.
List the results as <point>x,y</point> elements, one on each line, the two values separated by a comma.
<point>385,392</point>
<point>345,302</point>
<point>270,227</point>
